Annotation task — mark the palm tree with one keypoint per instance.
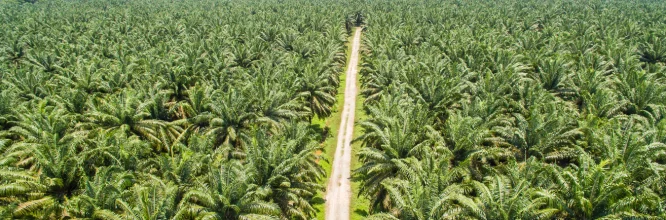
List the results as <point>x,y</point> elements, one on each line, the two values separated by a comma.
<point>246,55</point>
<point>227,192</point>
<point>642,90</point>
<point>74,101</point>
<point>88,79</point>
<point>545,133</point>
<point>377,81</point>
<point>29,84</point>
<point>440,95</point>
<point>503,198</point>
<point>154,199</point>
<point>590,191</point>
<point>316,90</point>
<point>42,172</point>
<point>414,198</point>
<point>553,76</point>
<point>286,173</point>
<point>232,118</point>
<point>15,52</point>
<point>634,149</point>
<point>177,81</point>
<point>603,103</point>
<point>276,107</point>
<point>196,104</point>
<point>125,113</point>
<point>45,61</point>
<point>653,49</point>
<point>98,199</point>
<point>475,144</point>
<point>392,149</point>
<point>303,49</point>
<point>114,149</point>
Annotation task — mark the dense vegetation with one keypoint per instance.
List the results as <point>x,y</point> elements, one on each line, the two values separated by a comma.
<point>165,109</point>
<point>156,109</point>
<point>515,110</point>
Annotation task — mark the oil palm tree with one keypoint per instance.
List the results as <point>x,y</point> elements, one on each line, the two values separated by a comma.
<point>29,84</point>
<point>42,172</point>
<point>154,199</point>
<point>232,118</point>
<point>124,112</point>
<point>642,91</point>
<point>393,148</point>
<point>227,192</point>
<point>275,106</point>
<point>414,198</point>
<point>553,76</point>
<point>14,52</point>
<point>653,49</point>
<point>285,172</point>
<point>98,199</point>
<point>546,135</point>
<point>317,91</point>
<point>588,192</point>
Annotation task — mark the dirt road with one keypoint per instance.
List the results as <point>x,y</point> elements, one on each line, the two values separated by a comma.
<point>338,192</point>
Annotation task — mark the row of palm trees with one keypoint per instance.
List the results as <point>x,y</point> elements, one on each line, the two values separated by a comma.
<point>514,110</point>
<point>165,110</point>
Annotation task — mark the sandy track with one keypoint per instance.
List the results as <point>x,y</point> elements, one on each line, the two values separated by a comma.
<point>338,192</point>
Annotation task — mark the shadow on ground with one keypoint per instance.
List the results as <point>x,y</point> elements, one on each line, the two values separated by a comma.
<point>361,212</point>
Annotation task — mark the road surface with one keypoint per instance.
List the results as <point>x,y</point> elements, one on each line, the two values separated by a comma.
<point>338,192</point>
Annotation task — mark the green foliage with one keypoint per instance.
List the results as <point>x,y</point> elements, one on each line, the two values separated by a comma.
<point>165,109</point>
<point>514,110</point>
<point>200,109</point>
